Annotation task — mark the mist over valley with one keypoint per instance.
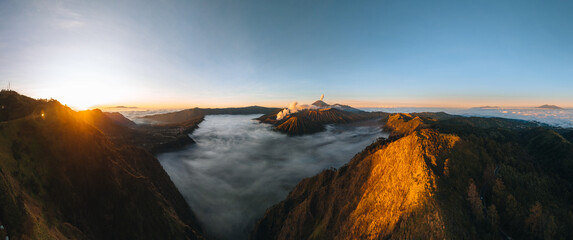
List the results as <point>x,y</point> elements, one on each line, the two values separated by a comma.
<point>239,167</point>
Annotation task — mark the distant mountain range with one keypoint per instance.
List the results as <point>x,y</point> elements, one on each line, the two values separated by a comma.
<point>321,104</point>
<point>188,114</point>
<point>488,107</point>
<point>313,120</point>
<point>547,106</point>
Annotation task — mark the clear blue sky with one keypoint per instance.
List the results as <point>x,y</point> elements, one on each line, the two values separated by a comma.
<point>232,53</point>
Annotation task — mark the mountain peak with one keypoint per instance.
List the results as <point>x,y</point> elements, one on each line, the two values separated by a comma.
<point>320,103</point>
<point>547,106</point>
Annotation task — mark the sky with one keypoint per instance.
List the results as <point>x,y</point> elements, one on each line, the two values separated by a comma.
<point>238,53</point>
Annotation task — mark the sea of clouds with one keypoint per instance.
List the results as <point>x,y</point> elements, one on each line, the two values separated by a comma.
<point>240,167</point>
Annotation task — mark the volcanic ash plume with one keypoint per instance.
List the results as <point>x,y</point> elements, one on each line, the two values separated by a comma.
<point>293,108</point>
<point>321,97</point>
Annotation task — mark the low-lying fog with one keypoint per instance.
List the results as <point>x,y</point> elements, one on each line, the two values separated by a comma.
<point>240,167</point>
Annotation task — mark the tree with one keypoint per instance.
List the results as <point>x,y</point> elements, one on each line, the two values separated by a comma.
<point>475,200</point>
<point>499,194</point>
<point>550,229</point>
<point>534,222</point>
<point>493,217</point>
<point>513,215</point>
<point>447,167</point>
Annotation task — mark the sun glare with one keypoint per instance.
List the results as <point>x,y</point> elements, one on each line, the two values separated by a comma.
<point>84,95</point>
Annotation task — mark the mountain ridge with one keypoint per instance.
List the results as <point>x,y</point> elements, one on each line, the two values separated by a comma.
<point>188,114</point>
<point>315,120</point>
<point>548,106</point>
<point>437,176</point>
<point>63,178</point>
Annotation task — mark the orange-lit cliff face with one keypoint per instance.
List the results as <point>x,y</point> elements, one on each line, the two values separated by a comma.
<point>401,188</point>
<point>369,198</point>
<point>436,177</point>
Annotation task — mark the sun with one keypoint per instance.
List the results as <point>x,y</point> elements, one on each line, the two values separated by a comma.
<point>82,99</point>
<point>84,95</point>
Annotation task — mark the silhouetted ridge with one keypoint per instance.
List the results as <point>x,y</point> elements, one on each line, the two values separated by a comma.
<point>188,114</point>
<point>154,138</point>
<point>547,106</point>
<point>14,105</point>
<point>119,119</point>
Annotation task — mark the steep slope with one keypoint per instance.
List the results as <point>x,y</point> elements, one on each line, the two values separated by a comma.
<point>63,178</point>
<point>297,126</point>
<point>454,178</point>
<point>119,119</point>
<point>367,199</point>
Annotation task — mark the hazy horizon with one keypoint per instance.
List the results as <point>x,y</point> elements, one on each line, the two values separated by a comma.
<point>285,105</point>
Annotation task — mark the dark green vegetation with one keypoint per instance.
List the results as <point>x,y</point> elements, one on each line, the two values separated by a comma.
<point>313,121</point>
<point>439,176</point>
<point>193,113</point>
<point>69,175</point>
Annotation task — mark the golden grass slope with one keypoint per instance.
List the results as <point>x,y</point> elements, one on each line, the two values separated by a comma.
<point>400,186</point>
<point>374,197</point>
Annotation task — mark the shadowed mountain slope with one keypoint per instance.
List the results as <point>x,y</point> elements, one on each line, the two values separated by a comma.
<point>119,119</point>
<point>443,178</point>
<point>155,138</point>
<point>62,177</point>
<point>189,114</point>
<point>297,126</point>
